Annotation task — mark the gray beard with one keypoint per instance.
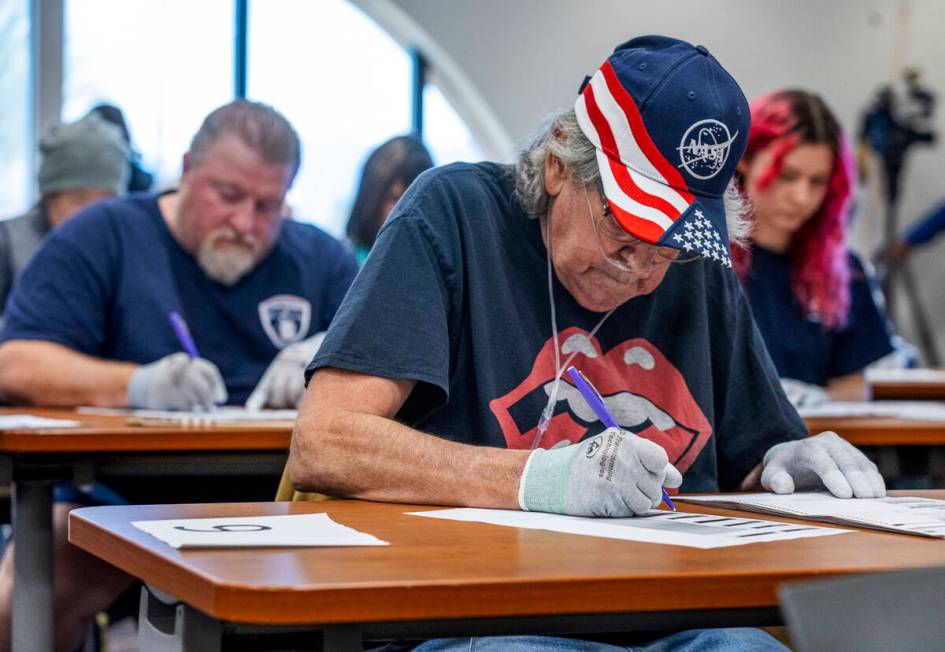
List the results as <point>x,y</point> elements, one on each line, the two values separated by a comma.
<point>225,266</point>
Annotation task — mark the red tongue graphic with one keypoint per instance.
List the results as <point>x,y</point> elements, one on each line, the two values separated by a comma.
<point>662,384</point>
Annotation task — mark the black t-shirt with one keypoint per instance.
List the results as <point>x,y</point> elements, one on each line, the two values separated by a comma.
<point>800,346</point>
<point>454,295</point>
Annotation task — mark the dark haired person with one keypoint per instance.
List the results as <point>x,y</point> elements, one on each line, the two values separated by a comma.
<point>387,173</point>
<point>139,179</point>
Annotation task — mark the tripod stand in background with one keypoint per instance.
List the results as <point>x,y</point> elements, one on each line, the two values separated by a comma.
<point>890,130</point>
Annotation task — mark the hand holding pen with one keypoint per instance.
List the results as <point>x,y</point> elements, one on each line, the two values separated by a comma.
<point>612,474</point>
<point>179,381</point>
<point>596,402</point>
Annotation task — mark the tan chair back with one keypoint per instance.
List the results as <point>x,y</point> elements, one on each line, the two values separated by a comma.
<point>287,492</point>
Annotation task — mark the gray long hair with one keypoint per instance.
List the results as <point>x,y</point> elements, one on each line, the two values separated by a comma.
<point>561,136</point>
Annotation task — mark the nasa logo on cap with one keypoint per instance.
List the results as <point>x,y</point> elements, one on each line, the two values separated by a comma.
<point>704,148</point>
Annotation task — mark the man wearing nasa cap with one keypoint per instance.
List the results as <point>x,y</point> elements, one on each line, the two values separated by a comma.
<point>441,379</point>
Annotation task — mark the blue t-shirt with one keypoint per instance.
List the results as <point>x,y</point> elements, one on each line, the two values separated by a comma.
<point>800,346</point>
<point>104,283</point>
<point>455,296</point>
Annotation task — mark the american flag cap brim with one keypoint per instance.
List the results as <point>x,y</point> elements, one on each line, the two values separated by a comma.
<point>702,230</point>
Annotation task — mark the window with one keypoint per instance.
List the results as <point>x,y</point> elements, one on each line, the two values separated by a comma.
<point>15,106</point>
<point>341,81</point>
<point>165,63</point>
<point>446,135</point>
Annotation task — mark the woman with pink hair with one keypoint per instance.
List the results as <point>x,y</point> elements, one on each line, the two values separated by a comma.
<point>809,294</point>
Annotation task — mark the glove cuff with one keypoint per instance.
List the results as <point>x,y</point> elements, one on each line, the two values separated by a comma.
<point>545,480</point>
<point>136,395</point>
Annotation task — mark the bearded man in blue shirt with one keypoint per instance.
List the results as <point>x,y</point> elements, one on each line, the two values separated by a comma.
<point>88,320</point>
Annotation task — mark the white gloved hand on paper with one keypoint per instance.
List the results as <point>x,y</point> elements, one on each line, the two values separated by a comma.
<point>283,383</point>
<point>825,460</point>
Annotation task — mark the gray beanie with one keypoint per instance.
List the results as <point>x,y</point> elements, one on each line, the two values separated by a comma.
<point>89,153</point>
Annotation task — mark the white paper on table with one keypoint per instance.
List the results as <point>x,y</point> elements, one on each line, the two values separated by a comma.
<point>257,531</point>
<point>223,415</point>
<point>30,422</point>
<point>904,514</point>
<point>905,375</point>
<point>911,410</point>
<point>670,528</point>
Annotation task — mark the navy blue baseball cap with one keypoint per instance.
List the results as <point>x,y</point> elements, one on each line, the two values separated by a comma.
<point>670,125</point>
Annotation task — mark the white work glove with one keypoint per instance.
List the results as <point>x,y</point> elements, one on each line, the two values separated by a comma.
<point>283,384</point>
<point>176,382</point>
<point>803,395</point>
<point>822,461</point>
<point>612,474</point>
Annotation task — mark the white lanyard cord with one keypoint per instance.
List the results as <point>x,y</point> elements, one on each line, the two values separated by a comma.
<point>548,412</point>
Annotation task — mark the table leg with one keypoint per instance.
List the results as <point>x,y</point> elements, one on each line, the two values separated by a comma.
<point>342,638</point>
<point>167,625</point>
<point>33,565</point>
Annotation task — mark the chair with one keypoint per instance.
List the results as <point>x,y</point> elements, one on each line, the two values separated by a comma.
<point>286,492</point>
<point>881,612</point>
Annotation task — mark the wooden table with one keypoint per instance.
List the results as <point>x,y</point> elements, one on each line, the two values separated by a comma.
<point>881,431</point>
<point>907,384</point>
<point>113,433</point>
<point>885,433</point>
<point>34,459</point>
<point>445,578</point>
<point>908,391</point>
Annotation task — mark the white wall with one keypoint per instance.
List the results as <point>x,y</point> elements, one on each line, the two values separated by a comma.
<point>523,58</point>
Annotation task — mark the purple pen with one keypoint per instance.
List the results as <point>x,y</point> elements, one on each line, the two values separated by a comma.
<point>594,399</point>
<point>183,334</point>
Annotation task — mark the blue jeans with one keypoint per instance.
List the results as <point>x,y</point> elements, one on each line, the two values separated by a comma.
<point>735,639</point>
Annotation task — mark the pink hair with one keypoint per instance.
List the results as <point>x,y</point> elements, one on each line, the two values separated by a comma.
<point>820,271</point>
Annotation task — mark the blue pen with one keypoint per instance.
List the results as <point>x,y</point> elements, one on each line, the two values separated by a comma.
<point>593,398</point>
<point>183,334</point>
<point>186,341</point>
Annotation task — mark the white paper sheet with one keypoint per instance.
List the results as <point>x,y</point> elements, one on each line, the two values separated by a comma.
<point>670,528</point>
<point>225,415</point>
<point>911,410</point>
<point>257,531</point>
<point>917,376</point>
<point>30,422</point>
<point>905,514</point>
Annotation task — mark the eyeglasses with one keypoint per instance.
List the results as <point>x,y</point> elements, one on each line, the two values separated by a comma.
<point>634,254</point>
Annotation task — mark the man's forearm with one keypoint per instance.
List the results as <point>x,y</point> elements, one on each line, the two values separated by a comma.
<point>375,458</point>
<point>43,373</point>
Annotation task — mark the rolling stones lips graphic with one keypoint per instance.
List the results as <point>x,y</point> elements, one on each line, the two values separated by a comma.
<point>642,389</point>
